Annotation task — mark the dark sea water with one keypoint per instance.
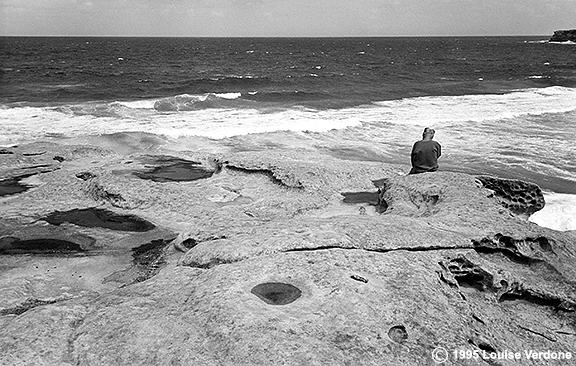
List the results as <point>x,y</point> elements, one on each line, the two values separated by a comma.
<point>504,106</point>
<point>314,72</point>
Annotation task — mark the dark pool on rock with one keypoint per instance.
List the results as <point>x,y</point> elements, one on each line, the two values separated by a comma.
<point>12,186</point>
<point>398,333</point>
<point>96,217</point>
<point>360,197</point>
<point>170,169</point>
<point>277,293</point>
<point>10,245</point>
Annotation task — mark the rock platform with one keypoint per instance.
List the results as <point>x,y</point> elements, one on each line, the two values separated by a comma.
<point>283,257</point>
<point>568,35</point>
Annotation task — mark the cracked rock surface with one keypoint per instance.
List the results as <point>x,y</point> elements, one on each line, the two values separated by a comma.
<point>264,262</point>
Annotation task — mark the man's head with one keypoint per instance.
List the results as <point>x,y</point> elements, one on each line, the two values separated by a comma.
<point>428,133</point>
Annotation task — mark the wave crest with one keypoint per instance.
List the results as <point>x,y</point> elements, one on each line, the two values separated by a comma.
<point>186,102</point>
<point>115,110</point>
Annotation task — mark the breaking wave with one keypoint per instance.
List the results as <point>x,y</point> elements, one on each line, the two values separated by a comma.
<point>187,102</point>
<point>425,111</point>
<point>219,115</point>
<point>559,213</point>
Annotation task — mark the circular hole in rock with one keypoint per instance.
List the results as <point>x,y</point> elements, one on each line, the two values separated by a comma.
<point>190,243</point>
<point>85,175</point>
<point>544,244</point>
<point>276,293</point>
<point>398,333</point>
<point>506,241</point>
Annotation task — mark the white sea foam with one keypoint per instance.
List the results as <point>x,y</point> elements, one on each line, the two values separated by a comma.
<point>149,103</point>
<point>229,95</point>
<point>28,123</point>
<point>227,114</point>
<point>225,123</point>
<point>559,213</point>
<point>223,119</point>
<point>139,104</point>
<point>425,111</point>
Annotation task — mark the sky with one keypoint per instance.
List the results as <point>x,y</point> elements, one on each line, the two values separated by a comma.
<point>285,18</point>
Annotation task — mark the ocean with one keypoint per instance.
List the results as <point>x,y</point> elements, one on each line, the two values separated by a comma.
<point>503,106</point>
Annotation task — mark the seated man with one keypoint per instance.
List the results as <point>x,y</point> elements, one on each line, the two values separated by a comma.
<point>425,153</point>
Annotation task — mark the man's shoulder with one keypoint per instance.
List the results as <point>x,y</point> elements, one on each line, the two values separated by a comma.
<point>430,142</point>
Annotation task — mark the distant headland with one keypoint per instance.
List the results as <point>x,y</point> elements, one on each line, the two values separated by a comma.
<point>564,36</point>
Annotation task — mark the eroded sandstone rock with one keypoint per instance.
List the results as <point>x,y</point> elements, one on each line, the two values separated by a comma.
<point>520,197</point>
<point>274,266</point>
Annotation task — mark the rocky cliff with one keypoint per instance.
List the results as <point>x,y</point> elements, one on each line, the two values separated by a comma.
<point>564,36</point>
<point>275,258</point>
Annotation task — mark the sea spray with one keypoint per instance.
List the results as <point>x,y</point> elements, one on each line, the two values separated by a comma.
<point>559,213</point>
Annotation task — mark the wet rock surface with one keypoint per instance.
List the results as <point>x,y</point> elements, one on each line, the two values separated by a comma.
<point>148,259</point>
<point>282,258</point>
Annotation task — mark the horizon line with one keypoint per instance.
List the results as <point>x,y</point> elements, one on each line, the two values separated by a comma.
<point>321,36</point>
